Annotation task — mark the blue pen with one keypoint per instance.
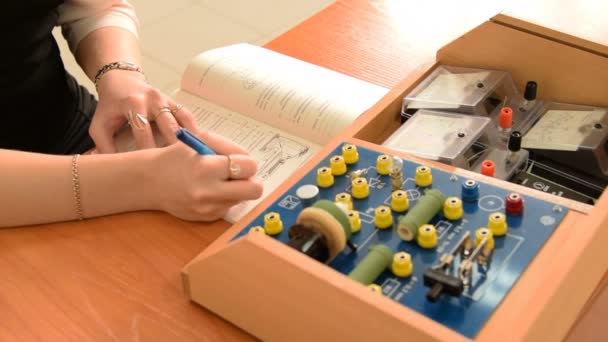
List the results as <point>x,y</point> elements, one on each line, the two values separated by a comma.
<point>193,141</point>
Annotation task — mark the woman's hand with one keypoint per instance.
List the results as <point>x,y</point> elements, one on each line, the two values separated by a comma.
<point>125,94</point>
<point>202,188</point>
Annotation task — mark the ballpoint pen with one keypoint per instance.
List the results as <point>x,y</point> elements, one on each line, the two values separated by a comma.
<point>193,141</point>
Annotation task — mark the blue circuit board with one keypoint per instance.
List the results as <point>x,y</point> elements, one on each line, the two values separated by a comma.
<point>512,253</point>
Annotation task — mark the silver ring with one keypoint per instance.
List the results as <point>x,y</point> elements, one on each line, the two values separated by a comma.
<point>234,169</point>
<point>160,111</point>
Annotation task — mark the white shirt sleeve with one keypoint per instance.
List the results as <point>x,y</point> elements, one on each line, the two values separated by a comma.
<point>78,18</point>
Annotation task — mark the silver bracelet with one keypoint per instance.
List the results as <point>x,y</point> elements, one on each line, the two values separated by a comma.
<point>120,65</point>
<point>76,187</point>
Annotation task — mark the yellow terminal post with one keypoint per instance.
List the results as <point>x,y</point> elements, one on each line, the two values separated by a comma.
<point>272,223</point>
<point>324,177</point>
<point>427,236</point>
<point>497,223</point>
<point>360,188</point>
<point>484,233</point>
<point>384,164</point>
<point>375,288</point>
<point>402,265</point>
<point>350,153</point>
<point>338,165</point>
<point>423,177</point>
<point>452,208</point>
<point>355,221</point>
<point>399,201</point>
<point>257,230</point>
<point>344,197</point>
<point>383,218</point>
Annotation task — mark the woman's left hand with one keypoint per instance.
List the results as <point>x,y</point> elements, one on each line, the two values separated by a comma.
<point>125,96</point>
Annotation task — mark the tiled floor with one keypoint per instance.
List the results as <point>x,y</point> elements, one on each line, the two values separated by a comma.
<point>173,32</point>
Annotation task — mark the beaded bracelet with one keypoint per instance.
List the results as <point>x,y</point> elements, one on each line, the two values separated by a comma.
<point>76,187</point>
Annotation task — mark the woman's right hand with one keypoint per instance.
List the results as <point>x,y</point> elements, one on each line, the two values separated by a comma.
<point>201,188</point>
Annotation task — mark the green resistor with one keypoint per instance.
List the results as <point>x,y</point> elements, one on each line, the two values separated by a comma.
<point>428,206</point>
<point>375,262</point>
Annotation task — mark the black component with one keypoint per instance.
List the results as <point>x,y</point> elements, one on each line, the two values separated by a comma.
<point>353,247</point>
<point>462,134</point>
<point>530,92</point>
<point>515,141</point>
<point>309,242</point>
<point>441,283</point>
<point>598,126</point>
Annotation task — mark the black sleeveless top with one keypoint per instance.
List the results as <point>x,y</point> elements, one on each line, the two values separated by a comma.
<point>42,108</point>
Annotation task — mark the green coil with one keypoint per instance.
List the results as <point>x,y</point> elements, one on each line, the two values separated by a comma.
<point>428,206</point>
<point>337,213</point>
<point>375,262</point>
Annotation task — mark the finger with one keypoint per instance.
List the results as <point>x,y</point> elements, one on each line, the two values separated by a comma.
<point>103,135</point>
<point>242,190</point>
<point>184,117</point>
<point>142,132</point>
<point>240,167</point>
<point>166,123</point>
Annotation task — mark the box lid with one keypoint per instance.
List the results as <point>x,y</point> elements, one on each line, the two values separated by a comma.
<point>580,24</point>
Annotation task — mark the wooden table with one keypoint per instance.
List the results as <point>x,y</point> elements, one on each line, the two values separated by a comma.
<point>118,278</point>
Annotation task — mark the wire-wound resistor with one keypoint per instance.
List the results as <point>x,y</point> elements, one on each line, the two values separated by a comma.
<point>350,153</point>
<point>375,262</point>
<point>428,206</point>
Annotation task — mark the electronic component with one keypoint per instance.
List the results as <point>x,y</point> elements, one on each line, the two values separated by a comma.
<point>574,136</point>
<point>350,154</point>
<point>360,188</point>
<point>427,236</point>
<point>272,223</point>
<point>514,204</point>
<point>529,96</point>
<point>321,231</point>
<point>452,208</point>
<point>355,220</point>
<point>377,260</point>
<point>428,206</point>
<point>470,190</point>
<point>402,265</point>
<point>383,218</point>
<point>438,277</point>
<point>345,197</point>
<point>308,194</point>
<point>497,224</point>
<point>325,178</point>
<point>396,173</point>
<point>399,201</point>
<point>384,164</point>
<point>487,168</point>
<point>505,121</point>
<point>445,137</point>
<point>480,235</point>
<point>424,176</point>
<point>337,165</point>
<point>257,230</point>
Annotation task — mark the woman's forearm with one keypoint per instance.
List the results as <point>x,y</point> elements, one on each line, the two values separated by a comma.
<point>107,45</point>
<point>38,188</point>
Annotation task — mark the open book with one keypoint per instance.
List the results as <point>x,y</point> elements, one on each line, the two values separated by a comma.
<point>280,109</point>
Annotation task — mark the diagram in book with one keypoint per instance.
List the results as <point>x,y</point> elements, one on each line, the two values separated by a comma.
<point>276,152</point>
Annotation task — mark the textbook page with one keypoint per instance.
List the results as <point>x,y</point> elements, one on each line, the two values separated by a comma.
<point>298,97</point>
<point>279,154</point>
